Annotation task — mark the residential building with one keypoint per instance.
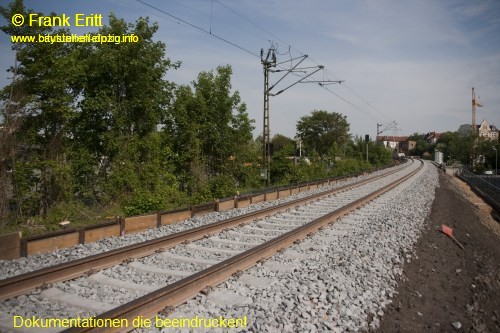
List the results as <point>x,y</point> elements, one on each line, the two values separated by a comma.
<point>488,131</point>
<point>407,146</point>
<point>400,143</point>
<point>484,130</point>
<point>432,137</point>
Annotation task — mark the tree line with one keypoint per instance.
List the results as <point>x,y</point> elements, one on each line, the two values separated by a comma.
<point>469,149</point>
<point>89,130</point>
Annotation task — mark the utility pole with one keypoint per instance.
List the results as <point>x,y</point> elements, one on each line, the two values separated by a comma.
<point>269,64</point>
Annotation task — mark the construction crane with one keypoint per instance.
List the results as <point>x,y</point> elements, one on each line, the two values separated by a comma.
<point>475,102</point>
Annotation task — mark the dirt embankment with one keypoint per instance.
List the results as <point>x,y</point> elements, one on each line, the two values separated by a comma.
<point>446,287</point>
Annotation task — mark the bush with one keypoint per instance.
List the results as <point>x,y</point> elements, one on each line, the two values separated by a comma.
<point>221,186</point>
<point>143,202</point>
<point>349,166</point>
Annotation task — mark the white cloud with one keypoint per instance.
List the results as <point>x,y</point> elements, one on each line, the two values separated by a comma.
<point>415,61</point>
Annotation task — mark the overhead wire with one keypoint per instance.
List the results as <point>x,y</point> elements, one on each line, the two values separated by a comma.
<point>199,28</point>
<point>351,104</point>
<point>325,72</point>
<point>251,22</point>
<point>211,16</point>
<point>366,102</point>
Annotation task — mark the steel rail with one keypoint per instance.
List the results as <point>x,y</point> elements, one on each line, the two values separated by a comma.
<point>177,293</point>
<point>23,283</point>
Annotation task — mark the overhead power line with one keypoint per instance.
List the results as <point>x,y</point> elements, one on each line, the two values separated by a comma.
<point>325,72</point>
<point>255,24</point>
<point>199,28</point>
<point>350,103</point>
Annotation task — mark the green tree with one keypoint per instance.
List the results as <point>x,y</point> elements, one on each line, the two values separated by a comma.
<point>209,128</point>
<point>223,121</point>
<point>323,130</point>
<point>280,141</point>
<point>282,165</point>
<point>378,155</point>
<point>124,99</point>
<point>456,147</point>
<point>40,102</point>
<point>85,120</point>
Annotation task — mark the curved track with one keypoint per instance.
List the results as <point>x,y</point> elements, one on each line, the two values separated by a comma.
<point>236,250</point>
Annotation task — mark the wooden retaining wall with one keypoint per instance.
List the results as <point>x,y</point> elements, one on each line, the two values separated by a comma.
<point>10,245</point>
<point>273,195</point>
<point>177,215</point>
<point>227,204</point>
<point>258,198</point>
<point>203,209</point>
<point>243,202</point>
<point>284,193</point>
<point>139,223</point>
<point>47,244</point>
<point>14,245</point>
<point>100,232</point>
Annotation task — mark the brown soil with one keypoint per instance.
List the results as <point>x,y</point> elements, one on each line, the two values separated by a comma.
<point>445,284</point>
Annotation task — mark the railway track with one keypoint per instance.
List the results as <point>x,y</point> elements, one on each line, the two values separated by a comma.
<point>239,243</point>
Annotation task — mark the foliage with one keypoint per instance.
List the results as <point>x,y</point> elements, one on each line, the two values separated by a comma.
<point>209,129</point>
<point>378,155</point>
<point>465,148</point>
<point>421,146</point>
<point>89,127</point>
<point>349,166</point>
<point>322,131</point>
<point>280,142</point>
<point>282,165</point>
<point>146,202</point>
<point>85,118</point>
<point>217,187</point>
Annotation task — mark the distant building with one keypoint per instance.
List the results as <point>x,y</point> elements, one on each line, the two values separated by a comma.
<point>432,137</point>
<point>407,146</point>
<point>488,131</point>
<point>391,141</point>
<point>485,130</point>
<point>399,143</point>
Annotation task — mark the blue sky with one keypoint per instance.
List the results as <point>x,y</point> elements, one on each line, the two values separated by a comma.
<point>413,62</point>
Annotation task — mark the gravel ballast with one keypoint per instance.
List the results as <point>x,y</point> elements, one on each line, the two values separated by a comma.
<point>18,266</point>
<point>340,280</point>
